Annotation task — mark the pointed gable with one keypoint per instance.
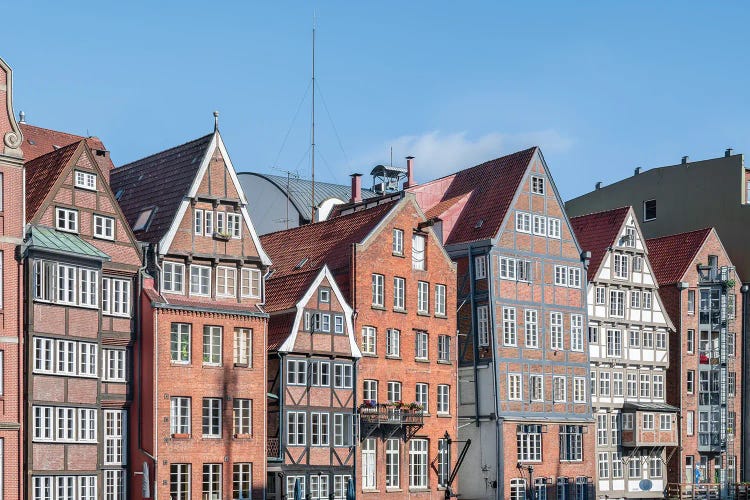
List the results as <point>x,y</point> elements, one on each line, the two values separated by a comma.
<point>479,197</point>
<point>38,141</point>
<point>159,182</point>
<point>597,232</point>
<point>671,256</point>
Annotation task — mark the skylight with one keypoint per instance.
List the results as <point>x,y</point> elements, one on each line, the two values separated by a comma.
<point>143,220</point>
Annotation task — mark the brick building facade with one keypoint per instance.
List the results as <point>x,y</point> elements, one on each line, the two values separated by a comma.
<point>200,399</point>
<point>700,289</point>
<point>524,362</point>
<point>11,298</point>
<point>392,269</point>
<point>629,333</point>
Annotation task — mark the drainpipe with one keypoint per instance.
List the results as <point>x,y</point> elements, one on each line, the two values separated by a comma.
<point>137,355</point>
<point>500,473</point>
<point>475,341</point>
<point>745,439</point>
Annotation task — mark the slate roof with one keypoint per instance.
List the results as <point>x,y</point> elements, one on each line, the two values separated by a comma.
<point>327,242</point>
<point>42,173</point>
<point>300,190</point>
<point>159,181</point>
<point>59,242</point>
<point>491,187</point>
<point>670,256</point>
<point>597,232</point>
<point>38,141</point>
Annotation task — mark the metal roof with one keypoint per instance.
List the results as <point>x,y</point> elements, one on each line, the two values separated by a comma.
<point>663,407</point>
<point>49,240</point>
<point>300,190</point>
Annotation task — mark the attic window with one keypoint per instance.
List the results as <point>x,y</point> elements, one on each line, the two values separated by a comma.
<point>100,152</point>
<point>301,263</point>
<point>31,141</point>
<point>85,180</point>
<point>479,224</point>
<point>119,194</point>
<point>143,220</point>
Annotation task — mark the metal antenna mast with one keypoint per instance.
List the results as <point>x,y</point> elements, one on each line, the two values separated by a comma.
<point>312,216</point>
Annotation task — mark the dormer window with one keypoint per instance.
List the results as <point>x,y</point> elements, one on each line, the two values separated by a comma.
<point>66,220</point>
<point>85,180</point>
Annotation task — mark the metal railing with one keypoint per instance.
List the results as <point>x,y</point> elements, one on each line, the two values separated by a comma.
<point>384,413</point>
<point>273,448</point>
<point>701,491</point>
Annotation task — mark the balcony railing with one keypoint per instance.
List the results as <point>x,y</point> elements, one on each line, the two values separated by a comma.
<point>273,449</point>
<point>390,414</point>
<point>690,491</point>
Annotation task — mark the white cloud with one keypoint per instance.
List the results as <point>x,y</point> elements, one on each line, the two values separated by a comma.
<point>438,154</point>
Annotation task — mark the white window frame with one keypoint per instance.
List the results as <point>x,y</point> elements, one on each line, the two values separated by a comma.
<point>483,326</point>
<point>85,180</point>
<point>378,290</point>
<point>200,280</point>
<point>480,267</point>
<point>180,415</point>
<point>104,227</point>
<point>423,297</point>
<point>554,228</point>
<point>440,299</point>
<point>226,281</point>
<point>557,341</point>
<point>397,244</point>
<point>443,399</point>
<point>515,387</point>
<point>531,328</point>
<point>116,297</point>
<point>399,293</point>
<point>369,339</point>
<point>418,252</point>
<point>115,365</point>
<point>66,219</point>
<point>523,222</point>
<point>251,283</point>
<point>173,277</point>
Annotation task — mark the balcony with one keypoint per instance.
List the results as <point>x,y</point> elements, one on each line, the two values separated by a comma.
<point>653,425</point>
<point>390,419</point>
<point>710,442</point>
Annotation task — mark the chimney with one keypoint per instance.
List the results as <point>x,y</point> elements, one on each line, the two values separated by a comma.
<point>598,185</point>
<point>409,172</point>
<point>21,117</point>
<point>356,188</point>
<point>637,171</point>
<point>685,160</point>
<point>728,152</point>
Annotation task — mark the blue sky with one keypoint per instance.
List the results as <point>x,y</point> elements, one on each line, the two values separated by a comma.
<point>602,87</point>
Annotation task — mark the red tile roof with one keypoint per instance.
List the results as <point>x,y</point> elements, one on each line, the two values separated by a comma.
<point>597,232</point>
<point>159,181</point>
<point>42,173</point>
<point>38,141</point>
<point>671,256</point>
<point>491,187</point>
<point>279,328</point>
<point>328,242</point>
<point>283,292</point>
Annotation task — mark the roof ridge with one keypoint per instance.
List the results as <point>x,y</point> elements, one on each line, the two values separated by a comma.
<point>601,212</point>
<point>57,131</point>
<point>684,233</point>
<point>478,165</point>
<point>139,160</point>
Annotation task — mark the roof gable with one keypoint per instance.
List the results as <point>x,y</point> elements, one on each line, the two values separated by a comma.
<point>38,141</point>
<point>597,232</point>
<point>672,255</point>
<point>43,173</point>
<point>491,188</point>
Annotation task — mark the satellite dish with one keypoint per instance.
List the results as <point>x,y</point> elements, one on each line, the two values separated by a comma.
<point>646,484</point>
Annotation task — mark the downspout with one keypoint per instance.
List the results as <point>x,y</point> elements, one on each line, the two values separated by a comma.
<point>475,340</point>
<point>155,334</point>
<point>137,355</point>
<point>500,472</point>
<point>745,440</point>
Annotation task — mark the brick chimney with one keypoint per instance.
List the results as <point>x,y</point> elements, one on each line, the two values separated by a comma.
<point>409,172</point>
<point>356,188</point>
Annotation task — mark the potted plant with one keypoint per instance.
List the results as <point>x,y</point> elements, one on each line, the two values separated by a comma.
<point>728,284</point>
<point>222,235</point>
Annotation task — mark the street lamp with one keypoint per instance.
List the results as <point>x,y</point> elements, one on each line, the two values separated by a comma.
<point>530,469</point>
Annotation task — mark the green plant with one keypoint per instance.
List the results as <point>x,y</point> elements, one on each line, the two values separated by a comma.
<point>728,284</point>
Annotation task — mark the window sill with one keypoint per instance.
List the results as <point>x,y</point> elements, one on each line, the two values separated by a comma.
<point>378,308</point>
<point>370,354</point>
<point>444,415</point>
<point>393,490</point>
<point>243,436</point>
<point>180,436</point>
<point>211,438</point>
<point>392,357</point>
<point>418,490</point>
<point>368,490</point>
<point>211,365</point>
<point>400,255</point>
<point>179,363</point>
<point>441,316</point>
<point>400,311</point>
<point>421,360</point>
<point>104,238</point>
<point>444,362</point>
<point>423,313</point>
<point>242,365</point>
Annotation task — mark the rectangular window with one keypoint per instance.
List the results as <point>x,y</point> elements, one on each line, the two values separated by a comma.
<point>627,421</point>
<point>576,332</point>
<point>634,339</point>
<point>617,384</point>
<point>221,218</point>
<point>539,225</point>
<point>66,284</point>
<point>250,286</point>
<point>368,340</point>
<point>212,417</point>
<point>603,458</point>
<point>418,252</point>
<point>421,346</point>
<point>480,267</point>
<point>180,342</point>
<point>179,481</point>
<point>85,180</point>
<point>172,277</point>
<point>648,339</point>
<point>440,300</point>
<point>180,416</point>
<point>212,481</point>
<point>319,487</point>
<point>343,429</point>
<point>579,390</point>
<point>378,298</point>
<point>690,382</point>
<point>523,222</point>
<point>523,271</point>
<point>114,365</point>
<point>483,326</point>
<point>647,300</point>
<point>338,323</point>
<point>243,346</point>
<point>198,222</point>
<point>601,295</point>
<point>418,463</point>
<point>242,416</point>
<point>104,227</point>
<point>561,276</point>
<point>320,373</point>
<point>649,210</point>
<point>296,428</point>
<point>665,422</point>
<point>656,467</point>
<point>593,335</point>
<point>635,299</point>
<point>509,326</point>
<point>602,435</point>
<point>621,266</point>
<point>234,225</point>
<point>617,303</point>
<point>423,297</point>
<point>443,462</point>
<point>209,216</point>
<point>422,396</point>
<point>553,227</point>
<point>212,341</point>
<point>571,443</point>
<point>397,245</point>
<point>399,289</point>
<point>529,443</point>
<point>392,463</point>
<point>369,469</point>
<point>508,268</point>
<point>226,281</point>
<point>370,391</point>
<point>114,436</point>
<point>319,429</point>
<point>116,297</point>
<point>556,331</point>
<point>43,355</point>
<point>637,263</point>
<point>515,392</point>
<point>614,344</point>
<point>604,385</point>
<point>394,392</point>
<point>66,357</point>
<point>444,348</point>
<point>632,385</point>
<point>343,376</point>
<point>536,388</point>
<point>443,399</point>
<point>531,328</point>
<point>645,385</point>
<point>537,184</point>
<point>559,389</point>
<point>296,372</point>
<point>660,339</point>
<point>200,280</point>
<point>691,301</point>
<point>393,343</point>
<point>66,220</point>
<point>574,277</point>
<point>242,481</point>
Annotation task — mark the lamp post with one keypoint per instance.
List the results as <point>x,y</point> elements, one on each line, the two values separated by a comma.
<point>532,491</point>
